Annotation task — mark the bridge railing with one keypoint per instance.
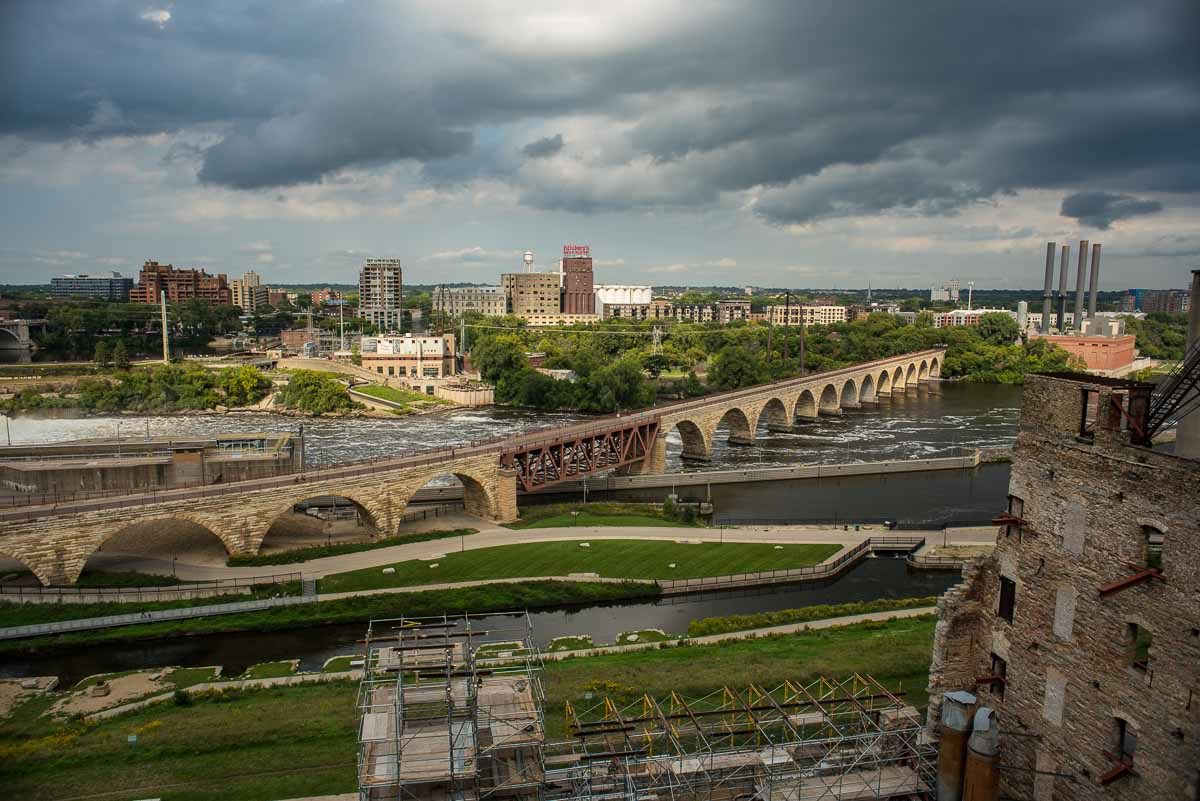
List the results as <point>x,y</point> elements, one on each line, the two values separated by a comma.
<point>191,589</point>
<point>413,458</point>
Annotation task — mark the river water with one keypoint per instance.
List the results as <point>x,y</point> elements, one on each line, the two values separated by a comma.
<point>870,579</point>
<point>939,420</point>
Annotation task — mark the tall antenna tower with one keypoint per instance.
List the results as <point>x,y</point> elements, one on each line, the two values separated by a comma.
<point>529,261</point>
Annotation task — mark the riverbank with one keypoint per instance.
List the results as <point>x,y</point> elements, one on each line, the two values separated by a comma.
<point>294,741</point>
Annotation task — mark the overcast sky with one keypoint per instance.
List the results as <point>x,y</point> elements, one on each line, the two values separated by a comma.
<point>802,144</point>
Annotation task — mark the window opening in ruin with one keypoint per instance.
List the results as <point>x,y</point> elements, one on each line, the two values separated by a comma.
<point>1089,412</point>
<point>1126,740</point>
<point>1153,548</point>
<point>1140,641</point>
<point>1000,669</point>
<point>1008,598</point>
<point>1016,509</point>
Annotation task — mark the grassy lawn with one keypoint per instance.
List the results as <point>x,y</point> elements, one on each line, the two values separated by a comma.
<point>321,551</point>
<point>493,598</point>
<point>410,401</point>
<point>640,636</point>
<point>338,664</point>
<point>269,670</point>
<point>94,579</point>
<point>761,620</point>
<point>625,559</point>
<point>559,515</point>
<point>288,742</point>
<point>570,643</point>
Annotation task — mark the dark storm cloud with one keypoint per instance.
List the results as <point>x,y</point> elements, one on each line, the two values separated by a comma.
<point>543,148</point>
<point>1102,209</point>
<point>828,110</point>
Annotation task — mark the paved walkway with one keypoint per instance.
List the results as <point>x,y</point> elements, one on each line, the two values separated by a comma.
<point>491,535</point>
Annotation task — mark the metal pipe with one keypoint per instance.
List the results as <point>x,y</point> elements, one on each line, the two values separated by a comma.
<point>1061,299</point>
<point>957,710</point>
<point>982,777</point>
<point>1047,289</point>
<point>1079,281</point>
<point>1094,288</point>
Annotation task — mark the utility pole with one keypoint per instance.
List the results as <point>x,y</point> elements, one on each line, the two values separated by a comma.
<point>970,291</point>
<point>802,327</point>
<point>166,342</point>
<point>341,326</point>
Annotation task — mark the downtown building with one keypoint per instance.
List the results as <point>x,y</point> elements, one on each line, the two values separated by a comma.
<point>796,314</point>
<point>108,286</point>
<point>490,301</point>
<point>180,285</point>
<point>249,294</point>
<point>381,294</point>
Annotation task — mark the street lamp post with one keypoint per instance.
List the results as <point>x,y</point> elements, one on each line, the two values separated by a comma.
<point>970,291</point>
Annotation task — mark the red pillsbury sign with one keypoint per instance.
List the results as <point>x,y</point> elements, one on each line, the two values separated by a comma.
<point>576,251</point>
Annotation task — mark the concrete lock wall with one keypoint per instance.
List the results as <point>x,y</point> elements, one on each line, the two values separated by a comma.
<point>56,548</point>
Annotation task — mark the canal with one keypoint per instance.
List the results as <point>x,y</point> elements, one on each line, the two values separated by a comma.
<point>870,579</point>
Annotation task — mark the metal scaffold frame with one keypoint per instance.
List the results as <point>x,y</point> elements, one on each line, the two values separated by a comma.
<point>451,709</point>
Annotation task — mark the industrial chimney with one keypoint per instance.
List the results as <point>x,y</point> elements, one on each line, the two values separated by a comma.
<point>1094,289</point>
<point>1079,281</point>
<point>1047,290</point>
<point>1061,301</point>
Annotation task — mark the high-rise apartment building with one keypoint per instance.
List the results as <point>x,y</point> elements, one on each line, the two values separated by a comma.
<point>180,285</point>
<point>1155,300</point>
<point>248,293</point>
<point>381,293</point>
<point>109,286</point>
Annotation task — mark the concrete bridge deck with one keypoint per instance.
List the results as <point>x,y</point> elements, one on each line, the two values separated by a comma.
<point>55,541</point>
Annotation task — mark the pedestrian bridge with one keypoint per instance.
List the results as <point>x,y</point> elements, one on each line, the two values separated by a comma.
<point>54,541</point>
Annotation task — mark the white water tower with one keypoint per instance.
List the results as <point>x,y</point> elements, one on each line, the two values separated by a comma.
<point>529,261</point>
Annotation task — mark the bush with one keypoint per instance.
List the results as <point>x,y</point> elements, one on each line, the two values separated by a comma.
<point>182,698</point>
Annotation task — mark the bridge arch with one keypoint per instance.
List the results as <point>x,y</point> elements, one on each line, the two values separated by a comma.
<point>10,340</point>
<point>739,425</point>
<point>935,368</point>
<point>164,537</point>
<point>829,400</point>
<point>898,380</point>
<point>775,414</point>
<point>910,375</point>
<point>44,578</point>
<point>696,444</point>
<point>883,383</point>
<point>866,390</point>
<point>923,371</point>
<point>325,516</point>
<point>848,398</point>
<point>806,405</point>
<point>478,499</point>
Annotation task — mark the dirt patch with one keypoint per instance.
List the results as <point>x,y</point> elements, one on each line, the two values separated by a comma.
<point>13,692</point>
<point>122,690</point>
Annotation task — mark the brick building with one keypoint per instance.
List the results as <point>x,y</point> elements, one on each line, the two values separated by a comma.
<point>532,294</point>
<point>180,285</point>
<point>578,295</point>
<point>1099,353</point>
<point>409,356</point>
<point>1082,629</point>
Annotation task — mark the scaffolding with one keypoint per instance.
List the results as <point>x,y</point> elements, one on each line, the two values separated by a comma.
<point>447,713</point>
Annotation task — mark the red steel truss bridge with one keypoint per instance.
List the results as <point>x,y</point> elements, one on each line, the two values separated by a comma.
<point>580,454</point>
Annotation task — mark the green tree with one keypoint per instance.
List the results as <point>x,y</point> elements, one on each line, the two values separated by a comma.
<point>315,393</point>
<point>103,354</point>
<point>243,385</point>
<point>496,356</point>
<point>924,320</point>
<point>120,356</point>
<point>737,366</point>
<point>998,328</point>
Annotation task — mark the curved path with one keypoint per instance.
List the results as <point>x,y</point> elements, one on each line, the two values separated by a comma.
<point>491,535</point>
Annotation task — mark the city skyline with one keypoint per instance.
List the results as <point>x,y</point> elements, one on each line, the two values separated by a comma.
<point>796,146</point>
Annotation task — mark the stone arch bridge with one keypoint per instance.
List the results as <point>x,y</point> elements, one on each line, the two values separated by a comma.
<point>55,541</point>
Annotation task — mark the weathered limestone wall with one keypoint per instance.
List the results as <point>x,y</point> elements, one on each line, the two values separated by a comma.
<point>1069,651</point>
<point>56,548</point>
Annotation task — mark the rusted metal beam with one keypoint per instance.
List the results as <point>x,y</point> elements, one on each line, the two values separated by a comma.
<point>1132,581</point>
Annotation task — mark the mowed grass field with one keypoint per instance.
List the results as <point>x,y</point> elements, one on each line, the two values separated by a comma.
<point>620,559</point>
<point>290,742</point>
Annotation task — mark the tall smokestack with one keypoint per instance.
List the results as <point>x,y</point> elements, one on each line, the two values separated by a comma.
<point>1047,290</point>
<point>1079,280</point>
<point>1187,435</point>
<point>1061,299</point>
<point>1094,289</point>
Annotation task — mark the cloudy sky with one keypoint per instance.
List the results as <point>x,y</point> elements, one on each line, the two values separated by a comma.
<point>792,143</point>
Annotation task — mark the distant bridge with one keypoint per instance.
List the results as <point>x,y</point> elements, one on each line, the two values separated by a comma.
<point>55,541</point>
<point>14,334</point>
